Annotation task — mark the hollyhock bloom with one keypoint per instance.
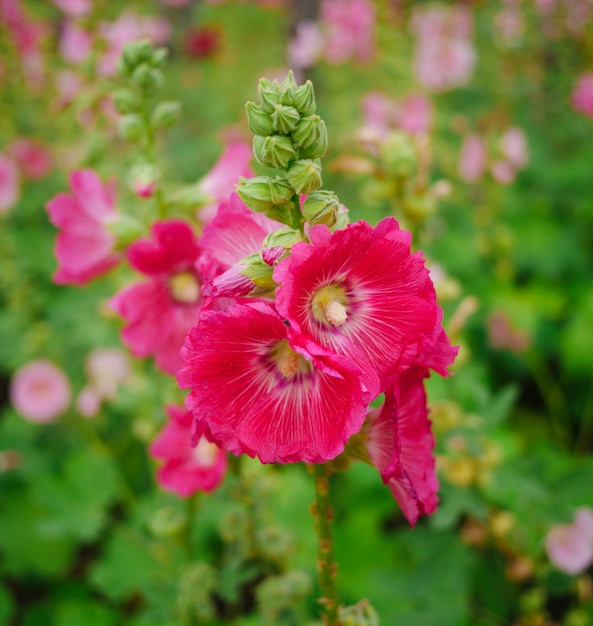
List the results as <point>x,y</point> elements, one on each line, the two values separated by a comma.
<point>84,247</point>
<point>582,95</point>
<point>415,115</point>
<point>33,158</point>
<point>503,172</point>
<point>75,43</point>
<point>187,469</point>
<point>88,402</point>
<point>40,391</point>
<point>106,369</point>
<point>159,312</point>
<point>219,183</point>
<point>202,43</point>
<point>348,26</point>
<point>9,184</point>
<point>306,47</point>
<point>400,442</point>
<point>472,158</point>
<point>74,8</point>
<point>570,546</point>
<point>360,292</point>
<point>513,146</point>
<point>261,395</point>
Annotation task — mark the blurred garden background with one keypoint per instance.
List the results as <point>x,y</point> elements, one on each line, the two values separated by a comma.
<point>470,122</point>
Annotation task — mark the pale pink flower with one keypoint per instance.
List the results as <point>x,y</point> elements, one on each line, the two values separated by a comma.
<point>503,336</point>
<point>582,95</point>
<point>106,369</point>
<point>160,311</point>
<point>75,43</point>
<point>127,28</point>
<point>9,184</point>
<point>361,293</point>
<point>69,85</point>
<point>400,444</point>
<point>306,47</point>
<point>40,391</point>
<point>261,395</point>
<point>32,157</point>
<point>503,172</point>
<point>348,26</point>
<point>218,184</point>
<point>472,158</point>
<point>414,115</point>
<point>88,402</point>
<point>188,468</point>
<point>74,8</point>
<point>570,546</point>
<point>514,147</point>
<point>84,246</point>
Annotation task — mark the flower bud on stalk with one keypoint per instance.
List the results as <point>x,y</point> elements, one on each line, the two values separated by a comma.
<point>399,155</point>
<point>305,175</point>
<point>269,93</point>
<point>260,122</point>
<point>125,101</point>
<point>262,192</point>
<point>131,127</point>
<point>165,114</point>
<point>147,78</point>
<point>274,151</point>
<point>304,99</point>
<point>321,207</point>
<point>307,131</point>
<point>284,118</point>
<point>319,147</point>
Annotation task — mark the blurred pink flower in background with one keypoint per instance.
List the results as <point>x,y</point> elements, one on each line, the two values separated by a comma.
<point>570,546</point>
<point>187,469</point>
<point>75,43</point>
<point>9,183</point>
<point>582,95</point>
<point>503,172</point>
<point>444,56</point>
<point>84,246</point>
<point>348,27</point>
<point>502,335</point>
<point>514,147</point>
<point>40,391</point>
<point>472,158</point>
<point>32,157</point>
<point>74,8</point>
<point>306,47</point>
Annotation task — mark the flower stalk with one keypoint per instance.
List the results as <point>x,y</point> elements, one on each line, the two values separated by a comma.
<point>326,566</point>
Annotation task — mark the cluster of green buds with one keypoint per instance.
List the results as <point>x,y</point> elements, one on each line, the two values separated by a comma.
<point>291,137</point>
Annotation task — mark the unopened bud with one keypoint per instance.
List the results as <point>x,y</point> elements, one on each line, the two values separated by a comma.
<point>287,89</point>
<point>158,57</point>
<point>274,151</point>
<point>125,101</point>
<point>165,114</point>
<point>131,127</point>
<point>284,118</point>
<point>305,175</point>
<point>399,155</point>
<point>285,237</point>
<point>260,122</point>
<point>232,283</point>
<point>143,180</point>
<point>321,207</point>
<point>260,274</point>
<point>319,147</point>
<point>269,93</point>
<point>137,52</point>
<point>166,521</point>
<point>304,99</point>
<point>307,131</point>
<point>262,192</point>
<point>147,78</point>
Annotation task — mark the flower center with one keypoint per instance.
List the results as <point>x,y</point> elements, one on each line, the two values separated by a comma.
<point>329,305</point>
<point>205,452</point>
<point>287,361</point>
<point>185,287</point>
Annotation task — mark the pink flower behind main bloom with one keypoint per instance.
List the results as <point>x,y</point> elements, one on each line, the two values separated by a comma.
<point>40,391</point>
<point>570,546</point>
<point>84,246</point>
<point>160,311</point>
<point>187,469</point>
<point>349,30</point>
<point>582,95</point>
<point>9,184</point>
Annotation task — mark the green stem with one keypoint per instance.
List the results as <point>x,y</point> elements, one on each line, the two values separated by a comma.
<point>151,157</point>
<point>326,566</point>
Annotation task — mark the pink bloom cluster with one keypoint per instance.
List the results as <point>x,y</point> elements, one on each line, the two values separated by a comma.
<point>570,546</point>
<point>291,379</point>
<point>582,95</point>
<point>444,56</point>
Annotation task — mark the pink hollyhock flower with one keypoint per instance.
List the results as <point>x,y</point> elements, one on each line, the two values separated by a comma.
<point>106,369</point>
<point>75,43</point>
<point>219,183</point>
<point>33,158</point>
<point>514,147</point>
<point>9,184</point>
<point>582,95</point>
<point>400,443</point>
<point>84,247</point>
<point>159,312</point>
<point>259,394</point>
<point>570,546</point>
<point>472,158</point>
<point>306,47</point>
<point>415,115</point>
<point>40,391</point>
<point>360,292</point>
<point>74,8</point>
<point>187,469</point>
<point>503,172</point>
<point>348,26</point>
<point>88,402</point>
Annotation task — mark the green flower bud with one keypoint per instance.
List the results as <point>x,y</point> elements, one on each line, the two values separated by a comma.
<point>166,521</point>
<point>318,148</point>
<point>361,614</point>
<point>399,155</point>
<point>284,118</point>
<point>307,131</point>
<point>269,93</point>
<point>274,151</point>
<point>262,192</point>
<point>137,52</point>
<point>147,78</point>
<point>125,101</point>
<point>321,207</point>
<point>260,122</point>
<point>165,114</point>
<point>305,175</point>
<point>158,57</point>
<point>304,99</point>
<point>260,274</point>
<point>287,89</point>
<point>131,127</point>
<point>285,237</point>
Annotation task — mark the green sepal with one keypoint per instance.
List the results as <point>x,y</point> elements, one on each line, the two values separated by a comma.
<point>305,175</point>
